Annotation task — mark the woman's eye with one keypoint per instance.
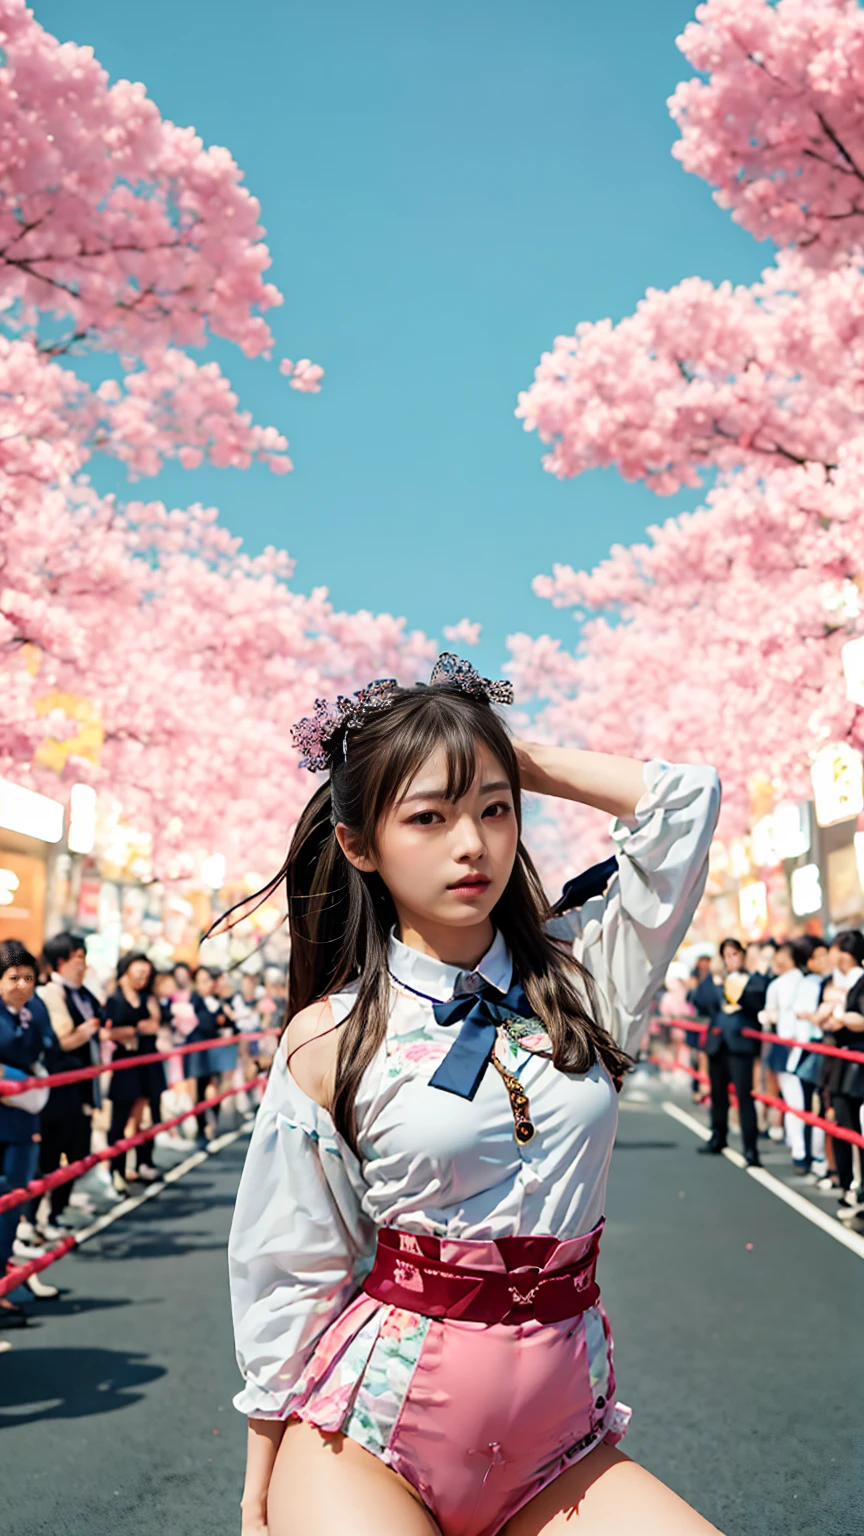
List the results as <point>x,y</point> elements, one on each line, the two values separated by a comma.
<point>499,809</point>
<point>423,819</point>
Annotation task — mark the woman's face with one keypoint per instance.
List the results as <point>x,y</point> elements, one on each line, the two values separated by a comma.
<point>818,962</point>
<point>203,983</point>
<point>783,961</point>
<point>733,957</point>
<point>138,974</point>
<point>446,862</point>
<point>17,985</point>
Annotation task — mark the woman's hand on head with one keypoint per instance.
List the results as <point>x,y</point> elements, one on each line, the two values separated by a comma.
<point>600,779</point>
<point>527,771</point>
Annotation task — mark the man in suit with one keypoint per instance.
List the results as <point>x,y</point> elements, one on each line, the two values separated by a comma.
<point>731,1003</point>
<point>74,1014</point>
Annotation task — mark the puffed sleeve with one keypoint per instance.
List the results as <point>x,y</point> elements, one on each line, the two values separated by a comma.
<point>627,936</point>
<point>300,1244</point>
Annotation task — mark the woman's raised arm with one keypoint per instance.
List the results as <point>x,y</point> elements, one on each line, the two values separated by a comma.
<point>612,784</point>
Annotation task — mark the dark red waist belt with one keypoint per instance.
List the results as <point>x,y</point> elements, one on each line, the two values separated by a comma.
<point>524,1291</point>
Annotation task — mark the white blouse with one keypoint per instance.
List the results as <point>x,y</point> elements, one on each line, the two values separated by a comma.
<point>304,1230</point>
<point>792,993</point>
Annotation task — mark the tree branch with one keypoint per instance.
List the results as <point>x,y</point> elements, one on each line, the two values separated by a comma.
<point>840,147</point>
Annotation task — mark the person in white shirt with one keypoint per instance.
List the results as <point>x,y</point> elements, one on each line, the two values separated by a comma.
<point>244,1003</point>
<point>428,1167</point>
<point>797,1002</point>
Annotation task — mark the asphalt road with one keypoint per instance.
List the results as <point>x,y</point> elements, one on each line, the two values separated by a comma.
<point>739,1347</point>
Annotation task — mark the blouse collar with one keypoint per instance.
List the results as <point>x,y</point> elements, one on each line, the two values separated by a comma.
<point>434,978</point>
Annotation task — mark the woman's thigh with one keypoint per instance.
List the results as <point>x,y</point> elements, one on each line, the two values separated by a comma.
<point>609,1495</point>
<point>328,1485</point>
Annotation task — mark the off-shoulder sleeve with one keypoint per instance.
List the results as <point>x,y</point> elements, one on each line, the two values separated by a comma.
<point>300,1244</point>
<point>627,936</point>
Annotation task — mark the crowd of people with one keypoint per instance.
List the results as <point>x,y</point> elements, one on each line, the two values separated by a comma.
<point>52,1021</point>
<point>804,989</point>
<point>808,990</point>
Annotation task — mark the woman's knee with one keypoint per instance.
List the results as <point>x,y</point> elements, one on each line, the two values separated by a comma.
<point>328,1485</point>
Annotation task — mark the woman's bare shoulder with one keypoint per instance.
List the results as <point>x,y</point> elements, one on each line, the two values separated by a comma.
<point>313,1067</point>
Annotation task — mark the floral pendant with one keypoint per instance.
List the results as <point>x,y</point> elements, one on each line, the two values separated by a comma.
<point>529,1035</point>
<point>523,1128</point>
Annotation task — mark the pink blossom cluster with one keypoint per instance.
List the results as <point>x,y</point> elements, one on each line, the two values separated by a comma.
<point>719,637</point>
<point>141,648</point>
<point>305,375</point>
<point>463,633</point>
<point>777,126</point>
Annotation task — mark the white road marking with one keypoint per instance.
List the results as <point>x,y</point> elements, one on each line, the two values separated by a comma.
<point>851,1240</point>
<point>177,1172</point>
<point>681,1114</point>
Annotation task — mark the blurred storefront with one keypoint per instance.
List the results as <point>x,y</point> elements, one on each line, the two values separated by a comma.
<point>105,889</point>
<point>85,868</point>
<point>31,828</point>
<point>800,868</point>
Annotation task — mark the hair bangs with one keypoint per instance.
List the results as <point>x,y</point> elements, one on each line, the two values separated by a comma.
<point>449,725</point>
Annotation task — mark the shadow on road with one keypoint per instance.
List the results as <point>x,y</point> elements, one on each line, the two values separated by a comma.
<point>143,1234</point>
<point>645,1146</point>
<point>68,1304</point>
<point>159,1245</point>
<point>39,1384</point>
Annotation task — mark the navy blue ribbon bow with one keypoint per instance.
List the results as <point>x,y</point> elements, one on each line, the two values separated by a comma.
<point>480,1012</point>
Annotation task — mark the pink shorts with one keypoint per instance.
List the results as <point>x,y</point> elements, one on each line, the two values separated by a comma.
<point>478,1417</point>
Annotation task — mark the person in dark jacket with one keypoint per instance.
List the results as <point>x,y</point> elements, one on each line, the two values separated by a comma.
<point>731,1005</point>
<point>843,1080</point>
<point>74,1014</point>
<point>21,1050</point>
<point>215,1021</point>
<point>130,1019</point>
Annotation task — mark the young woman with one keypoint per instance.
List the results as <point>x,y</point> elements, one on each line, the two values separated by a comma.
<point>130,1019</point>
<point>413,1249</point>
<point>213,1020</point>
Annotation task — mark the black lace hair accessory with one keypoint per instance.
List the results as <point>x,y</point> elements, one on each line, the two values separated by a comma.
<point>314,736</point>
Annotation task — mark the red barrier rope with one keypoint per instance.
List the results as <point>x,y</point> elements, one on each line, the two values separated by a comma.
<point>83,1074</point>
<point>808,1045</point>
<point>18,1276</point>
<point>839,1132</point>
<point>15,1277</point>
<point>845,1053</point>
<point>828,1126</point>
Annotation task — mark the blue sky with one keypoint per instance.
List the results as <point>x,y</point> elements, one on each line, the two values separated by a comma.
<point>445,188</point>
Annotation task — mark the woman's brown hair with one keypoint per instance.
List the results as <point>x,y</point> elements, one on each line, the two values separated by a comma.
<point>341,920</point>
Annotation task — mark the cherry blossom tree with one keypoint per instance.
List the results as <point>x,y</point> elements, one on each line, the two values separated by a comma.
<point>141,649</point>
<point>720,636</point>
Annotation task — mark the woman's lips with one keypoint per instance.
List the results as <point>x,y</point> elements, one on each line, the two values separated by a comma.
<point>472,885</point>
